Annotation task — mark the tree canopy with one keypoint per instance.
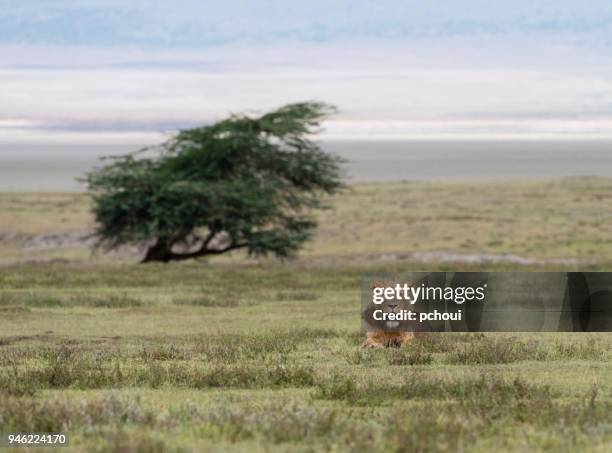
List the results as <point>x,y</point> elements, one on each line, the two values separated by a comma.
<point>243,182</point>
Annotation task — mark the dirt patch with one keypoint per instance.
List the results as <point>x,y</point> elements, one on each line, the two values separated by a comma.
<point>5,341</point>
<point>471,258</point>
<point>50,240</point>
<point>84,239</point>
<point>477,258</point>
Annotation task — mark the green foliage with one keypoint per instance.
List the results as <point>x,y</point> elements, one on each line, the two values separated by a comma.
<point>243,182</point>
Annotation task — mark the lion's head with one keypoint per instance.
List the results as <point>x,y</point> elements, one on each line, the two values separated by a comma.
<point>374,315</point>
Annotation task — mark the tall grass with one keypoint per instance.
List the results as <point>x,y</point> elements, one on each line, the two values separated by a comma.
<point>434,424</point>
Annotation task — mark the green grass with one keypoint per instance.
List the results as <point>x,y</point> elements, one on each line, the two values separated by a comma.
<point>280,373</point>
<point>232,355</point>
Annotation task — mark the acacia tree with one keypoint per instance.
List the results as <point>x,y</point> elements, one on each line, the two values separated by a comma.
<point>243,182</point>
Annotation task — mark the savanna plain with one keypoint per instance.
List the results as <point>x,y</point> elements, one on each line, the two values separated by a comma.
<point>234,354</point>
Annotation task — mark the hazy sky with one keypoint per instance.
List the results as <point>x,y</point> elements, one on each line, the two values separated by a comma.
<point>119,70</point>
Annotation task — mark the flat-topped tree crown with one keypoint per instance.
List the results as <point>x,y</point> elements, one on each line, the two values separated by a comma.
<point>243,182</point>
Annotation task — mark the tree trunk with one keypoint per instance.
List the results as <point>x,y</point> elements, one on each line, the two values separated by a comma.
<point>160,252</point>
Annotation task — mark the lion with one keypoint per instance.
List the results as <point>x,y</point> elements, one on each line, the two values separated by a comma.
<point>386,333</point>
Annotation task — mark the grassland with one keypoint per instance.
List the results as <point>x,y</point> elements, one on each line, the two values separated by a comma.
<point>232,355</point>
<point>565,219</point>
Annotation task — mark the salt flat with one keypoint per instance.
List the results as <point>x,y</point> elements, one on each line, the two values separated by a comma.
<point>56,167</point>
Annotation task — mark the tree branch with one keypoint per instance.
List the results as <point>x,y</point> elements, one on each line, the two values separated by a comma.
<point>205,251</point>
<point>209,238</point>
